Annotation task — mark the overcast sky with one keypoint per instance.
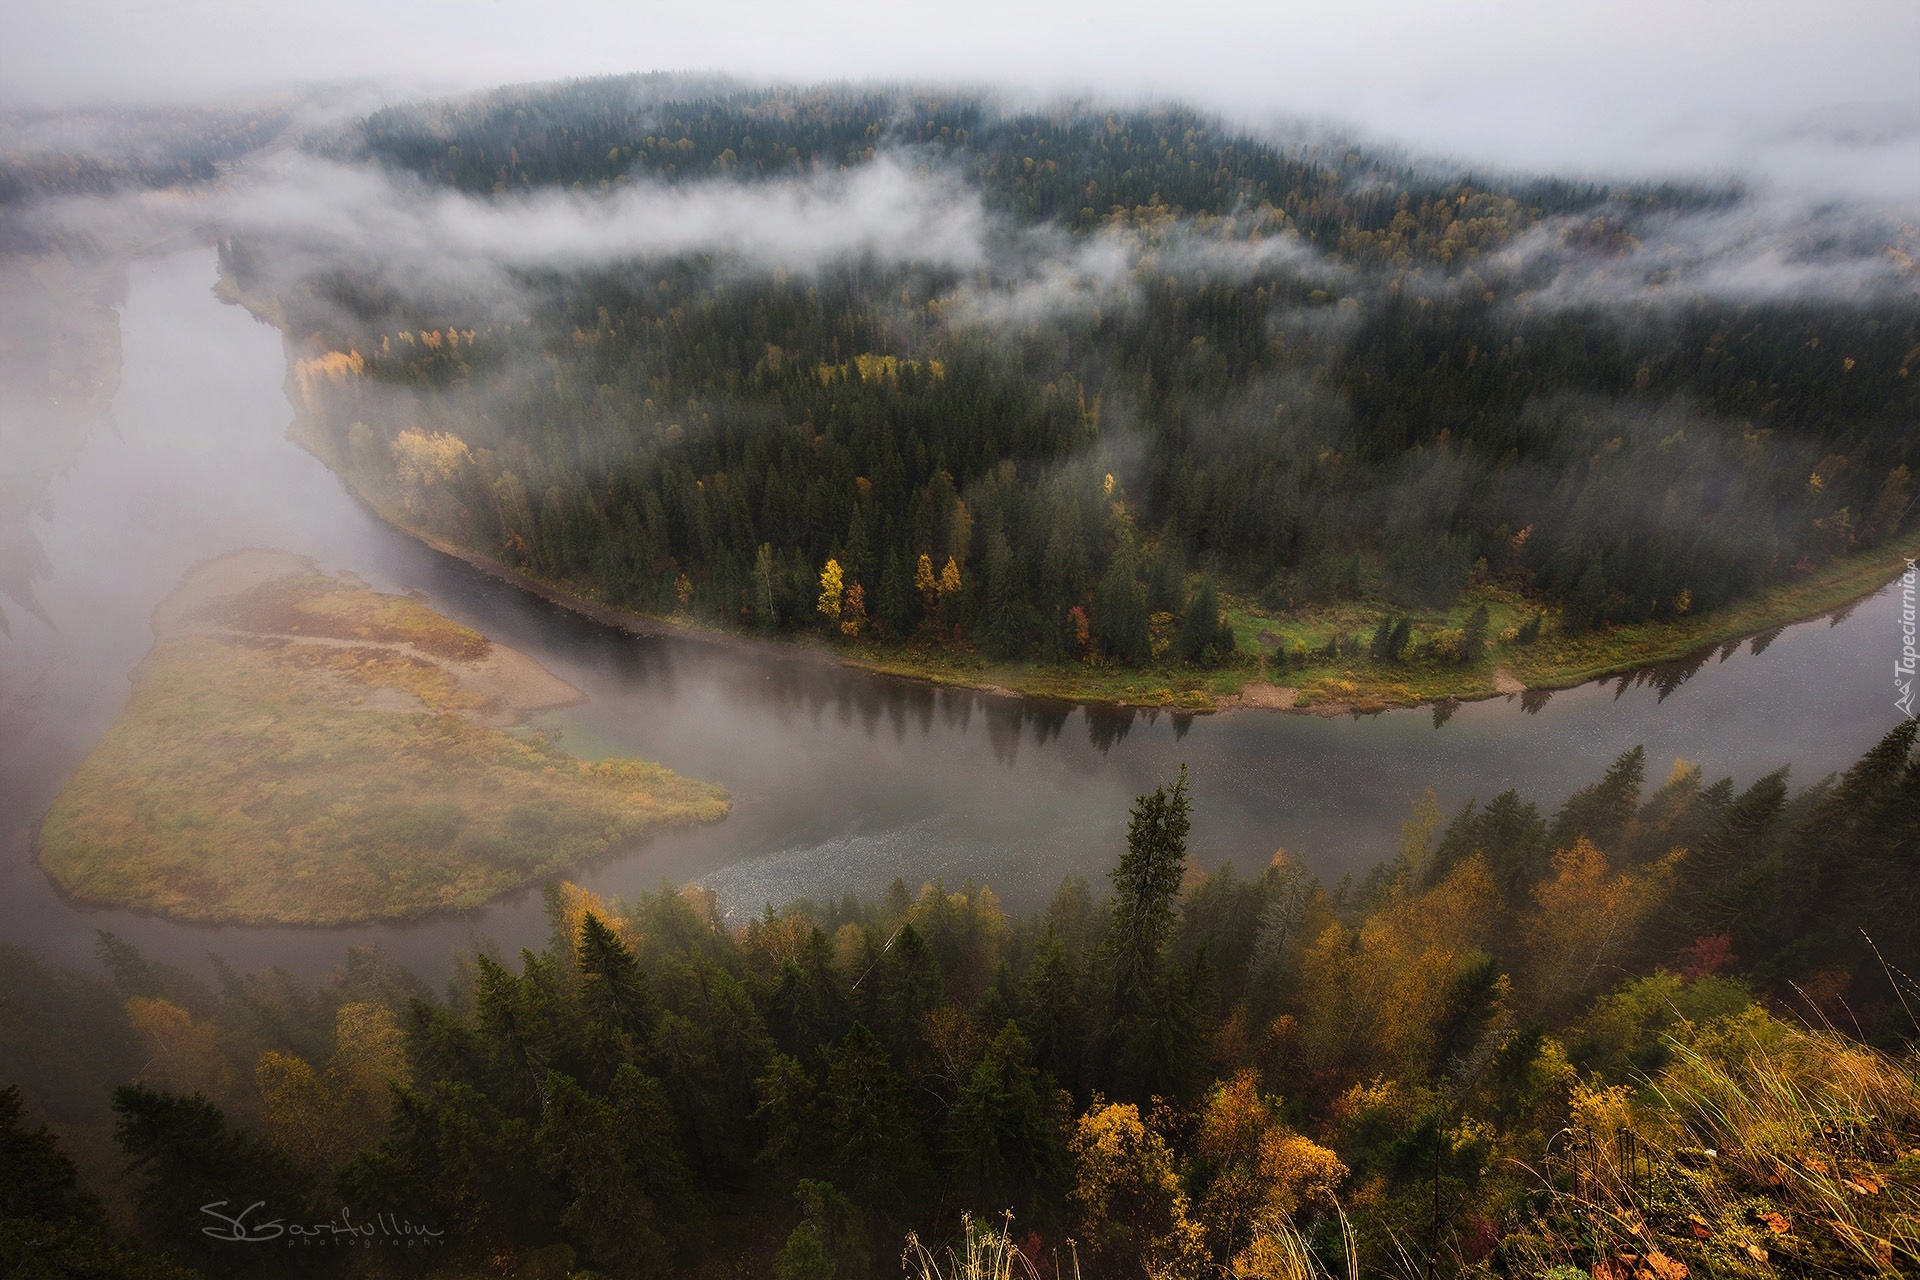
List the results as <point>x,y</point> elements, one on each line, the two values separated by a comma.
<point>1822,95</point>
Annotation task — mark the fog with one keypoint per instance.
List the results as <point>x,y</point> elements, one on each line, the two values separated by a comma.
<point>1817,118</point>
<point>885,210</point>
<point>1046,274</point>
<point>1823,98</point>
<point>906,208</point>
<point>1767,249</point>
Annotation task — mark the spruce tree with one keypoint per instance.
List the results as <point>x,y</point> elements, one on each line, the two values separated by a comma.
<point>1602,811</point>
<point>1051,1017</point>
<point>1473,639</point>
<point>1382,636</point>
<point>1003,1129</point>
<point>1003,633</point>
<point>1146,886</point>
<point>1397,639</point>
<point>1588,601</point>
<point>614,990</point>
<point>1120,614</point>
<point>867,1133</point>
<point>184,1155</point>
<point>1198,641</point>
<point>899,606</point>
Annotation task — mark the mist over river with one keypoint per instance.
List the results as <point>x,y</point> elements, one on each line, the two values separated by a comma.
<point>841,780</point>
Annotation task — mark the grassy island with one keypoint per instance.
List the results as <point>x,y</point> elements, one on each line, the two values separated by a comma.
<point>302,750</point>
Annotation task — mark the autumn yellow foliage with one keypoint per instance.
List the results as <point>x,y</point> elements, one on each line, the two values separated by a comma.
<point>182,1055</point>
<point>1134,1216</point>
<point>573,904</point>
<point>926,584</point>
<point>1264,1171</point>
<point>1373,993</point>
<point>1583,918</point>
<point>321,1118</point>
<point>424,462</point>
<point>853,611</point>
<point>333,366</point>
<point>878,368</point>
<point>831,587</point>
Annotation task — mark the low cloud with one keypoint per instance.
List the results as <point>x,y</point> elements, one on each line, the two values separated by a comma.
<point>320,213</point>
<point>1057,276</point>
<point>426,240</point>
<point>421,235</point>
<point>1755,251</point>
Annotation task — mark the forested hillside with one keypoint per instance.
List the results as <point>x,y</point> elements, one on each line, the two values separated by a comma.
<point>1587,1043</point>
<point>108,151</point>
<point>1175,364</point>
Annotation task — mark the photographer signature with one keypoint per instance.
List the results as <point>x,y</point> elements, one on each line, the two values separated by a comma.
<point>238,1230</point>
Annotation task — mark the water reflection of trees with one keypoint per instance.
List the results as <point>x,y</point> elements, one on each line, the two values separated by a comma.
<point>1009,720</point>
<point>1108,725</point>
<point>782,685</point>
<point>785,687</point>
<point>1665,677</point>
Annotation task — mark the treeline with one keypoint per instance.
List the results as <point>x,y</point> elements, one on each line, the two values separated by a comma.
<point>1382,419</point>
<point>1069,166</point>
<point>1074,164</point>
<point>103,151</point>
<point>1185,1075</point>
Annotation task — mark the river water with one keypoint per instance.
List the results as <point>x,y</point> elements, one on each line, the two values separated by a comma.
<point>841,780</point>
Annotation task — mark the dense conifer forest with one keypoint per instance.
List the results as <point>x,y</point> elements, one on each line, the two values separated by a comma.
<point>1186,364</point>
<point>1661,1029</point>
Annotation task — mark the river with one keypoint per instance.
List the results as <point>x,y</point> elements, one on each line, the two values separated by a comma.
<point>841,779</point>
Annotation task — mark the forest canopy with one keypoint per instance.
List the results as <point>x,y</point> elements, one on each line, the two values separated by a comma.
<point>1060,384</point>
<point>1585,1042</point>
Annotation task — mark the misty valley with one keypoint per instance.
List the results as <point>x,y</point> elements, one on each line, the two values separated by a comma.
<point>1096,405</point>
<point>655,676</point>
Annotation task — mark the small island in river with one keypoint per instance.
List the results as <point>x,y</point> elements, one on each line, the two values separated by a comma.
<point>300,749</point>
